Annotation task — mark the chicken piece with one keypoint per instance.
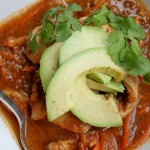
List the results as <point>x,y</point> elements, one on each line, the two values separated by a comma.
<point>128,103</point>
<point>82,19</point>
<point>70,144</point>
<point>132,85</point>
<point>35,56</point>
<point>37,100</point>
<point>107,28</point>
<point>17,94</point>
<point>19,98</point>
<point>70,122</point>
<point>38,110</point>
<point>88,140</point>
<point>12,41</point>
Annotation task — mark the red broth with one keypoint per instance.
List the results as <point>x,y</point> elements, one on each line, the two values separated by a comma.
<point>17,82</point>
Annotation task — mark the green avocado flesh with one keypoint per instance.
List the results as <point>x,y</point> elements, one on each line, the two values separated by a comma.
<point>100,77</point>
<point>88,37</point>
<point>96,109</point>
<point>111,87</point>
<point>60,89</point>
<point>49,63</point>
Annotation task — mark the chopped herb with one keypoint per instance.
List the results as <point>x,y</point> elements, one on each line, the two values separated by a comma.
<point>57,25</point>
<point>63,32</point>
<point>116,38</point>
<point>124,48</point>
<point>47,33</point>
<point>67,23</point>
<point>137,64</point>
<point>134,30</point>
<point>32,42</point>
<point>146,78</point>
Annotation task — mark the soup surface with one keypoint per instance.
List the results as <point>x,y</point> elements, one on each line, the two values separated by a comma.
<point>19,80</point>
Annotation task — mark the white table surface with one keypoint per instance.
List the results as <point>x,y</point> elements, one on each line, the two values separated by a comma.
<point>7,7</point>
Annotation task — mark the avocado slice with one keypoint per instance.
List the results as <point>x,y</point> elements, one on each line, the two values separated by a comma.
<point>50,59</point>
<point>58,95</point>
<point>96,109</point>
<point>111,87</point>
<point>49,63</point>
<point>100,77</point>
<point>88,37</point>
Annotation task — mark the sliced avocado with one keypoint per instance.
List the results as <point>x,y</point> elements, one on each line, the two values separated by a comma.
<point>111,87</point>
<point>58,95</point>
<point>96,109</point>
<point>100,77</point>
<point>49,63</point>
<point>88,37</point>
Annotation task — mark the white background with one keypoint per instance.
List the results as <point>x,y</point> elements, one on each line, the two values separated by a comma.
<point>9,6</point>
<point>6,8</point>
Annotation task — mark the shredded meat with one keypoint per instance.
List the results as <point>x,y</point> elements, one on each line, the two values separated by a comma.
<point>18,95</point>
<point>82,19</point>
<point>12,41</point>
<point>36,56</point>
<point>37,100</point>
<point>132,85</point>
<point>36,30</point>
<point>19,98</point>
<point>38,110</point>
<point>70,144</point>
<point>88,140</point>
<point>30,68</point>
<point>70,122</point>
<point>107,28</point>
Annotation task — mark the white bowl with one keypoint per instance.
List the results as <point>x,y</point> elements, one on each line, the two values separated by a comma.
<point>7,142</point>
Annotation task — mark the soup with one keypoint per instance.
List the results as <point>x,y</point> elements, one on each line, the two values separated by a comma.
<point>20,81</point>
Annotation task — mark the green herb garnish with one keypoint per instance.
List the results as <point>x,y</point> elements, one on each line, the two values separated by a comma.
<point>124,48</point>
<point>57,25</point>
<point>32,42</point>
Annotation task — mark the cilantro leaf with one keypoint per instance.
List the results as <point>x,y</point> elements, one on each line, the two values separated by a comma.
<point>52,13</point>
<point>116,38</point>
<point>134,30</point>
<point>99,17</point>
<point>137,64</point>
<point>146,78</point>
<point>114,18</point>
<point>57,25</point>
<point>123,41</point>
<point>127,24</point>
<point>98,22</point>
<point>102,11</point>
<point>47,33</point>
<point>75,24</point>
<point>135,46</point>
<point>67,23</point>
<point>63,32</point>
<point>74,7</point>
<point>64,16</point>
<point>123,53</point>
<point>32,42</point>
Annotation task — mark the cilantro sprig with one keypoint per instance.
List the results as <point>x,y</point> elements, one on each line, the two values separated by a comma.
<point>124,48</point>
<point>57,25</point>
